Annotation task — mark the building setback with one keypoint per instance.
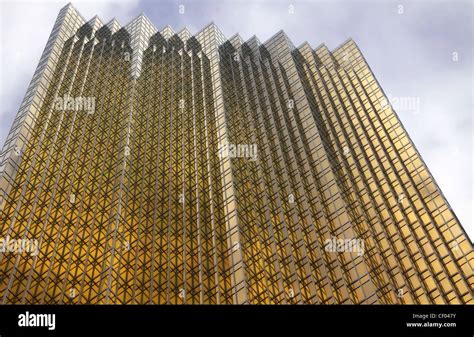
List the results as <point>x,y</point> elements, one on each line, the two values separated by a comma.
<point>160,167</point>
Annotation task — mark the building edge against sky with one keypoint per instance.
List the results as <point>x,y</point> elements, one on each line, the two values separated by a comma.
<point>334,164</point>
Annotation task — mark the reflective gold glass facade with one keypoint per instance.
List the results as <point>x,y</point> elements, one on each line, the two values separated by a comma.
<point>133,202</point>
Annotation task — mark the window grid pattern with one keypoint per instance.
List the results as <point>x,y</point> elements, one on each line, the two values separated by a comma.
<point>132,204</point>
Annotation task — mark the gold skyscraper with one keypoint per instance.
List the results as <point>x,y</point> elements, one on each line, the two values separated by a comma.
<point>149,166</point>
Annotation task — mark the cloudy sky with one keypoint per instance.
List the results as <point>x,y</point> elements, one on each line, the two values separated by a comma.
<point>420,50</point>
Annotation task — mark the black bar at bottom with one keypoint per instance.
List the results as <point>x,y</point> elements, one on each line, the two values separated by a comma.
<point>242,320</point>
